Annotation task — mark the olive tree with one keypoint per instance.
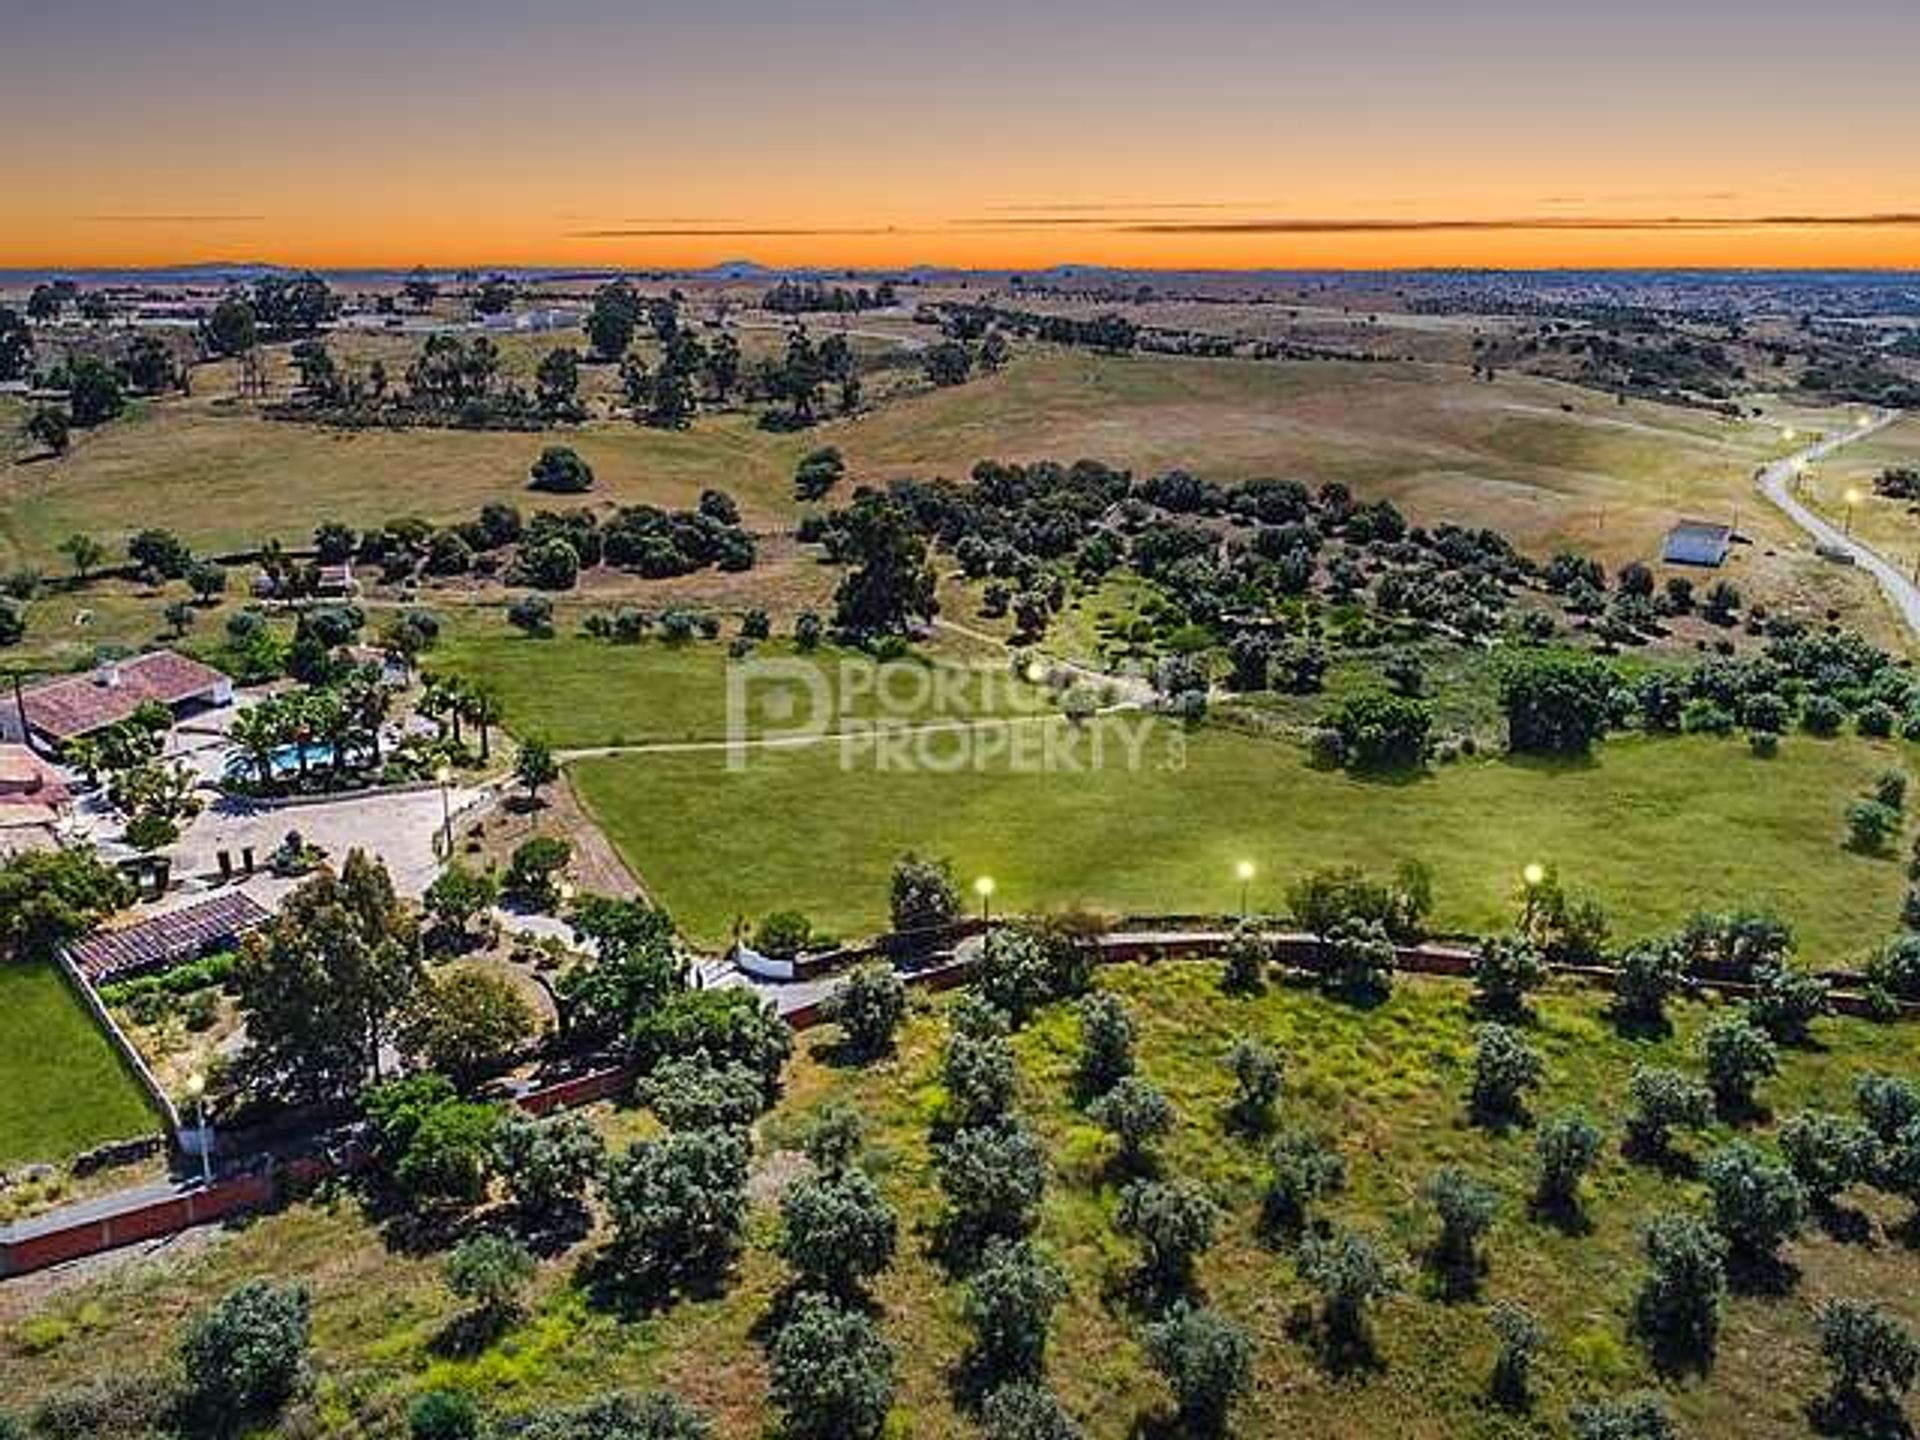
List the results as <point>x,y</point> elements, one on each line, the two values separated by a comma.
<point>1257,1081</point>
<point>1207,1362</point>
<point>246,1356</point>
<point>1505,1068</point>
<point>1009,1303</point>
<point>1664,1100</point>
<point>1174,1222</point>
<point>869,1006</point>
<point>1677,1309</point>
<point>837,1232</point>
<point>1737,1055</point>
<point>676,1205</point>
<point>830,1372</point>
<point>1303,1170</point>
<point>1758,1204</point>
<point>1136,1112</point>
<point>1566,1148</point>
<point>1873,1358</point>
<point>1106,1045</point>
<point>1349,1274</point>
<point>1465,1206</point>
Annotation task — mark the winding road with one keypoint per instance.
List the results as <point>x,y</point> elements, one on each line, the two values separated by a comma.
<point>1777,483</point>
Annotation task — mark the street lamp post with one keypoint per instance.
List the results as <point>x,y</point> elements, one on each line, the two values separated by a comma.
<point>1853,499</point>
<point>1532,876</point>
<point>197,1091</point>
<point>983,887</point>
<point>1243,872</point>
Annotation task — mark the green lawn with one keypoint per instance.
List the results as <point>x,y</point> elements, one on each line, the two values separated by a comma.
<point>579,692</point>
<point>1652,827</point>
<point>1386,1085</point>
<point>63,1088</point>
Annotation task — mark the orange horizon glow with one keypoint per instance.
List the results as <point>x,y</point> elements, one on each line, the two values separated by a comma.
<point>1230,134</point>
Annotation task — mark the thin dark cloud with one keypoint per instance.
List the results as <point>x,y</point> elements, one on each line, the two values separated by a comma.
<point>1435,224</point>
<point>1103,206</point>
<point>743,232</point>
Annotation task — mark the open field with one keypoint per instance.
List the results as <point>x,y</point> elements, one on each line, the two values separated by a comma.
<point>1551,465</point>
<point>1653,827</point>
<point>1386,1085</point>
<point>1891,526</point>
<point>63,1089</point>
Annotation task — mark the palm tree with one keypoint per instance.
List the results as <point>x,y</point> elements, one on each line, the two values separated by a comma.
<point>484,710</point>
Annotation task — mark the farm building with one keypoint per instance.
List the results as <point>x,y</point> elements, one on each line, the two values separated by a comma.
<point>1697,542</point>
<point>51,714</point>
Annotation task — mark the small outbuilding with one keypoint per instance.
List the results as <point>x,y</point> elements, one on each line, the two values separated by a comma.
<point>1697,542</point>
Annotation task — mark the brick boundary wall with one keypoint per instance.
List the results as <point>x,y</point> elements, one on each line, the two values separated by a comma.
<point>264,1188</point>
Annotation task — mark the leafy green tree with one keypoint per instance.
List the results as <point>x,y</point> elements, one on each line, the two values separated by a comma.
<point>94,395</point>
<point>1555,703</point>
<point>1106,1045</point>
<point>1303,1171</point>
<point>839,1232</point>
<point>467,1024</point>
<point>692,1092</point>
<point>1359,961</point>
<point>981,1079</point>
<point>923,896</point>
<point>1636,1417</point>
<point>733,1025</point>
<point>535,767</point>
<point>1009,1303</point>
<point>1870,825</point>
<point>48,428</point>
<point>993,1178</point>
<point>818,472</point>
<point>84,551</point>
<point>560,471</point>
<point>1013,974</point>
<point>638,968</point>
<point>830,1372</point>
<point>890,585</point>
<point>1465,1206</point>
<point>548,1166</point>
<point>1025,1411</point>
<point>1257,1081</point>
<point>1349,1274</point>
<point>1874,1361</point>
<point>1383,732</point>
<point>1758,1204</point>
<point>1174,1221</point>
<point>676,1206</point>
<point>1247,955</point>
<point>1677,1309</point>
<point>438,1150</point>
<point>1505,1069</point>
<point>246,1356</point>
<point>1505,971</point>
<point>48,898</point>
<point>491,1273</point>
<point>1789,1000</point>
<point>535,867</point>
<point>835,1137</point>
<point>16,345</point>
<point>1737,1055</point>
<point>321,987</point>
<point>1137,1113</point>
<point>1520,1335</point>
<point>1206,1360</point>
<point>1826,1152</point>
<point>869,1006</point>
<point>1567,1147</point>
<point>457,897</point>
<point>1664,1100</point>
<point>1647,978</point>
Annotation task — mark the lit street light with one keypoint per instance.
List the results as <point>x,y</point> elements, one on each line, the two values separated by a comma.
<point>983,887</point>
<point>197,1092</point>
<point>1244,873</point>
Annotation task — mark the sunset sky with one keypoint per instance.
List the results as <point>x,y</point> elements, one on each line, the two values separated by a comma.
<point>992,133</point>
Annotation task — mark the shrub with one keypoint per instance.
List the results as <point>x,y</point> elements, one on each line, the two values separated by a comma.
<point>923,894</point>
<point>830,1372</point>
<point>1009,1303</point>
<point>1015,973</point>
<point>730,1025</point>
<point>1677,1309</point>
<point>1555,703</point>
<point>1870,825</point>
<point>1648,976</point>
<point>443,1415</point>
<point>1106,1045</point>
<point>1896,969</point>
<point>548,1165</point>
<point>1383,732</point>
<point>1505,971</point>
<point>1890,789</point>
<point>1349,1274</point>
<point>1174,1222</point>
<point>1664,1100</point>
<point>1257,1081</point>
<point>1789,1001</point>
<point>838,1231</point>
<point>1737,1054</point>
<point>1303,1170</point>
<point>655,1416</point>
<point>1826,1152</point>
<point>247,1355</point>
<point>783,934</point>
<point>993,1179</point>
<point>676,1205</point>
<point>1359,961</point>
<point>1136,1112</point>
<point>1566,1147</point>
<point>1520,1336</point>
<point>1207,1362</point>
<point>1505,1069</point>
<point>1757,1203</point>
<point>1466,1207</point>
<point>560,471</point>
<point>1874,1359</point>
<point>693,1092</point>
<point>1021,1411</point>
<point>1247,955</point>
<point>980,1077</point>
<point>491,1273</point>
<point>869,1007</point>
<point>1822,715</point>
<point>1637,1417</point>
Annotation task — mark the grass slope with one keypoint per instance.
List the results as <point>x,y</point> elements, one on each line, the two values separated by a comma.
<point>1653,828</point>
<point>63,1089</point>
<point>1385,1084</point>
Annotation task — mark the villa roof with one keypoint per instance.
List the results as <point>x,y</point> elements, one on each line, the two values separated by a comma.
<point>81,704</point>
<point>163,941</point>
<point>27,780</point>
